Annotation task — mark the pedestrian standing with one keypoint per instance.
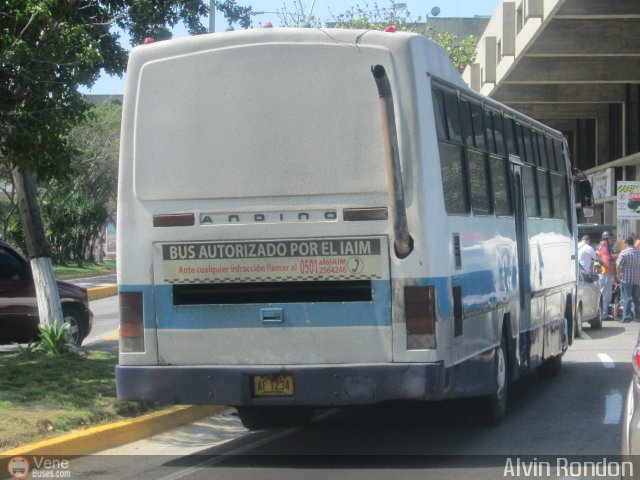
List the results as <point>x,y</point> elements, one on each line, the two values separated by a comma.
<point>608,256</point>
<point>586,254</point>
<point>628,270</point>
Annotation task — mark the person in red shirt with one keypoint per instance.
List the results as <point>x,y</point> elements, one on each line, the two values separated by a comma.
<point>608,255</point>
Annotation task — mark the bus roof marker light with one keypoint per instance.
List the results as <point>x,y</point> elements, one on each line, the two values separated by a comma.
<point>390,29</point>
<point>148,40</point>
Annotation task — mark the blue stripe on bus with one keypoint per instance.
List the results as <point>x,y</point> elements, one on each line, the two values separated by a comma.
<point>482,291</point>
<point>376,313</point>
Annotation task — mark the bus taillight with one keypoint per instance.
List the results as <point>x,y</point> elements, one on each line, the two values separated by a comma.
<point>131,322</point>
<point>420,315</point>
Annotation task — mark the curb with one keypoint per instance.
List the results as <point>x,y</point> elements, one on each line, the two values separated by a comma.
<point>96,439</point>
<point>102,292</point>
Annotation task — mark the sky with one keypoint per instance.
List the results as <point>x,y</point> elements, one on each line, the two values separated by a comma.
<point>323,10</point>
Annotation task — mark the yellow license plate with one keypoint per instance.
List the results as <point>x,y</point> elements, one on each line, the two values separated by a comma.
<point>268,386</point>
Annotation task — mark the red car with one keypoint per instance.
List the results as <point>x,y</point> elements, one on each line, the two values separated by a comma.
<point>634,200</point>
<point>18,306</point>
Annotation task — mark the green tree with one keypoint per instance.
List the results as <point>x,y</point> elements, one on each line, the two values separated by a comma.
<point>76,207</point>
<point>49,49</point>
<point>461,51</point>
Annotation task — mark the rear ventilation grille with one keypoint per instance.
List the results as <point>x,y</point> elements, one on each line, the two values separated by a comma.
<point>272,292</point>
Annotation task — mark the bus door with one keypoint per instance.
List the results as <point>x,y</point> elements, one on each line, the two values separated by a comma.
<point>522,242</point>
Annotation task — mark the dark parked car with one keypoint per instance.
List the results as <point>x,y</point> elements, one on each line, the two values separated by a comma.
<point>18,306</point>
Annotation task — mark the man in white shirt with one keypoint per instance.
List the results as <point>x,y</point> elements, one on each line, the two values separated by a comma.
<point>586,254</point>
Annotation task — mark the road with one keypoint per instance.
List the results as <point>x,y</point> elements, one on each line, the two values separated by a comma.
<point>105,320</point>
<point>578,413</point>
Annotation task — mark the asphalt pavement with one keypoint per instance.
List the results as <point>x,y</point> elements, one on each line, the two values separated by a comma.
<point>94,282</point>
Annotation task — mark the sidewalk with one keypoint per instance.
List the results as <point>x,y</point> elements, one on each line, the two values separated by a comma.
<point>98,287</point>
<point>102,437</point>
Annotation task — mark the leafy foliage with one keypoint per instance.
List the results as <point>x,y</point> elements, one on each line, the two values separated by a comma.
<point>54,339</point>
<point>461,51</point>
<point>28,348</point>
<point>76,206</point>
<point>296,16</point>
<point>49,49</point>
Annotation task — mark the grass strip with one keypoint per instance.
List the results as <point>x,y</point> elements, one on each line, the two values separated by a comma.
<point>86,269</point>
<point>43,396</point>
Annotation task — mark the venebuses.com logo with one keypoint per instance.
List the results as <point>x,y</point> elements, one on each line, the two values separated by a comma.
<point>39,467</point>
<point>18,467</point>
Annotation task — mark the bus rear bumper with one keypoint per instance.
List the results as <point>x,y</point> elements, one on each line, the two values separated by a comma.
<point>325,385</point>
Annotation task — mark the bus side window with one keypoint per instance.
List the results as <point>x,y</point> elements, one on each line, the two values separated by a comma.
<point>561,198</point>
<point>438,109</point>
<point>557,146</point>
<point>542,150</point>
<point>467,125</point>
<point>532,155</point>
<point>453,117</point>
<point>488,125</point>
<point>500,186</point>
<point>510,137</point>
<point>498,132</point>
<point>520,129</point>
<point>479,181</point>
<point>553,161</point>
<point>478,130</point>
<point>530,193</point>
<point>543,190</point>
<point>454,181</point>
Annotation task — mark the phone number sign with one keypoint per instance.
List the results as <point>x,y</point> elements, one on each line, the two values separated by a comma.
<point>272,261</point>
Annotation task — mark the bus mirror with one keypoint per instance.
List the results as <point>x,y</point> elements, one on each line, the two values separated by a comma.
<point>586,198</point>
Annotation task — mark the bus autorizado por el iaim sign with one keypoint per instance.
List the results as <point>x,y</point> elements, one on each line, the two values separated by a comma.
<point>317,217</point>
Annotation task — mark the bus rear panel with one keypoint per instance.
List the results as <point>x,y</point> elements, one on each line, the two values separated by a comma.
<point>256,262</point>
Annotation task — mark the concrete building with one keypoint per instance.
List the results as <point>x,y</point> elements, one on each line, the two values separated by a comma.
<point>574,65</point>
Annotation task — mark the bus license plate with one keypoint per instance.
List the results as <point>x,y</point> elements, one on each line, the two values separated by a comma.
<point>278,386</point>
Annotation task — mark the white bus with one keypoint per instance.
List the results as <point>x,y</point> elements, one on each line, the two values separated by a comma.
<point>317,217</point>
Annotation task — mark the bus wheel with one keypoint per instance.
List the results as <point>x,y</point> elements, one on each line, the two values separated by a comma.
<point>494,407</point>
<point>258,418</point>
<point>578,329</point>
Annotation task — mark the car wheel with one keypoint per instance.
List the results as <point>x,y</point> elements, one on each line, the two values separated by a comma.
<point>73,315</point>
<point>578,326</point>
<point>596,323</point>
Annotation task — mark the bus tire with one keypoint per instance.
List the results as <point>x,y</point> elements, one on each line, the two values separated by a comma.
<point>494,407</point>
<point>259,418</point>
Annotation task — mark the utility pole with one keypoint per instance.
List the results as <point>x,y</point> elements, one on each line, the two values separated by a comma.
<point>212,16</point>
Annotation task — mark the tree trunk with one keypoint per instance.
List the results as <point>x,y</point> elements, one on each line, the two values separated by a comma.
<point>49,308</point>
